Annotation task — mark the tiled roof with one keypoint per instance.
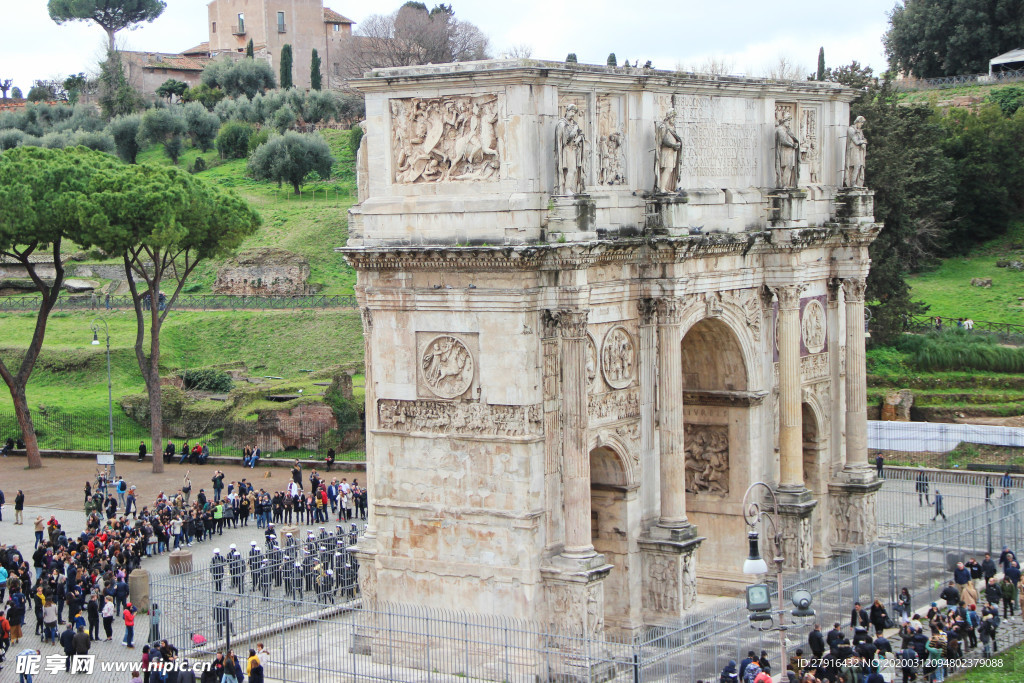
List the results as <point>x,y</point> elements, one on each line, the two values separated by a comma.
<point>162,60</point>
<point>200,49</point>
<point>332,17</point>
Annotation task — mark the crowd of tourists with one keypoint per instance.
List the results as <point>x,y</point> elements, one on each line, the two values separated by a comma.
<point>76,585</point>
<point>922,645</point>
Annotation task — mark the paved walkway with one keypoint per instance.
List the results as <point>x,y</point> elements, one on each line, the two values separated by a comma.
<point>56,490</point>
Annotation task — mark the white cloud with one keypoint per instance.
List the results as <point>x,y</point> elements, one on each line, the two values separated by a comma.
<point>751,33</point>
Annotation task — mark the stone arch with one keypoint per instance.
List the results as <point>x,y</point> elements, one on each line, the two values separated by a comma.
<point>817,470</point>
<point>712,358</point>
<point>627,459</point>
<point>731,323</point>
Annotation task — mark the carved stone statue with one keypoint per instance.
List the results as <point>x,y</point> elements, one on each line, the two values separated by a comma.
<point>787,151</point>
<point>569,141</point>
<point>362,166</point>
<point>667,153</point>
<point>856,154</point>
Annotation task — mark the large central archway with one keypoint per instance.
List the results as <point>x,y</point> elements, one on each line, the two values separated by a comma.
<point>724,452</point>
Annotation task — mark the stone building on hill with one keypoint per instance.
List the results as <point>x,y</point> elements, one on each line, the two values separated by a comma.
<point>270,24</point>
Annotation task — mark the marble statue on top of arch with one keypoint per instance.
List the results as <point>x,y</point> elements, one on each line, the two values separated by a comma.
<point>787,152</point>
<point>569,142</point>
<point>856,154</point>
<point>668,148</point>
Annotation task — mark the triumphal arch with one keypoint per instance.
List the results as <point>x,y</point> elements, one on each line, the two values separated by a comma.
<point>598,303</point>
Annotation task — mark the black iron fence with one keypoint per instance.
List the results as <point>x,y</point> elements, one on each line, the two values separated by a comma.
<point>69,431</point>
<point>192,302</point>
<point>1008,75</point>
<point>928,323</point>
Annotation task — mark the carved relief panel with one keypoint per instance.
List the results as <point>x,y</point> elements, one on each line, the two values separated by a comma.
<point>447,365</point>
<point>445,139</point>
<point>810,144</point>
<point>812,326</point>
<point>618,358</point>
<point>583,119</point>
<point>610,141</point>
<point>707,459</point>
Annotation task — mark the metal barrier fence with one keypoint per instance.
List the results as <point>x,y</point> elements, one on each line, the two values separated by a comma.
<point>63,431</point>
<point>192,302</point>
<point>1006,76</point>
<point>388,642</point>
<point>929,323</point>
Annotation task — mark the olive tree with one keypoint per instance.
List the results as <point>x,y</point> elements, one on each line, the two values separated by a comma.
<point>290,158</point>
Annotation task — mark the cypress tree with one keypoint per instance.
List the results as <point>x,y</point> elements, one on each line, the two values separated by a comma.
<point>286,66</point>
<point>821,64</point>
<point>249,52</point>
<point>611,59</point>
<point>314,71</point>
<point>570,58</point>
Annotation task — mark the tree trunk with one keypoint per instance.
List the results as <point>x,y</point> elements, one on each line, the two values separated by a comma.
<point>156,406</point>
<point>28,430</point>
<point>110,38</point>
<point>296,186</point>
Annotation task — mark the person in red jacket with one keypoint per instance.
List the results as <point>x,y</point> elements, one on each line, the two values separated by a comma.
<point>129,626</point>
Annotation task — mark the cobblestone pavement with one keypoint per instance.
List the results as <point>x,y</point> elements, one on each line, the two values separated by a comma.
<point>57,490</point>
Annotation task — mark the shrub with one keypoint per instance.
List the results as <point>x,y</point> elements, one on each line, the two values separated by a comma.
<point>233,140</point>
<point>207,379</point>
<point>12,137</point>
<point>283,119</point>
<point>199,165</point>
<point>101,142</point>
<point>258,138</point>
<point>166,126</point>
<point>202,125</point>
<point>961,350</point>
<point>243,77</point>
<point>291,158</point>
<point>125,130</point>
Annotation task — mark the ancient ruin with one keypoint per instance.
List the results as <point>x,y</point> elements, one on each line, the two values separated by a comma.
<point>598,303</point>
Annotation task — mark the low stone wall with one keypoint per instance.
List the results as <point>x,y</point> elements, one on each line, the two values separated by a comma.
<point>285,460</point>
<point>264,271</point>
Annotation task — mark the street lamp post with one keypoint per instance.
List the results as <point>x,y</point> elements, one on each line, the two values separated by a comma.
<point>110,390</point>
<point>754,564</point>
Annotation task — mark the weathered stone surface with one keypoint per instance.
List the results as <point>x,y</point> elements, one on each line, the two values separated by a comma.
<point>897,404</point>
<point>297,428</point>
<point>981,282</point>
<point>568,373</point>
<point>267,271</point>
<point>74,285</point>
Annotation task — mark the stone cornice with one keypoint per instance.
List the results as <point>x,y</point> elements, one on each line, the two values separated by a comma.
<point>492,73</point>
<point>577,255</point>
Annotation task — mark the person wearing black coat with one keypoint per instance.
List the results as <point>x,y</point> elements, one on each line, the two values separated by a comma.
<point>878,617</point>
<point>993,593</point>
<point>834,636</point>
<point>142,450</point>
<point>67,641</point>
<point>988,567</point>
<point>729,673</point>
<point>858,617</point>
<point>817,642</point>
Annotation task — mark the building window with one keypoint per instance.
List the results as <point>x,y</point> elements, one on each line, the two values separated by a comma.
<point>337,27</point>
<point>337,69</point>
<point>214,30</point>
<point>241,23</point>
<point>280,22</point>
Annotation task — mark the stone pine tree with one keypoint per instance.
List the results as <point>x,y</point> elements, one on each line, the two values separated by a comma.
<point>110,15</point>
<point>41,191</point>
<point>821,64</point>
<point>286,66</point>
<point>249,51</point>
<point>315,76</point>
<point>161,222</point>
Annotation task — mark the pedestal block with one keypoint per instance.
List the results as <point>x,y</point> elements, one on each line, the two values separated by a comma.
<point>797,528</point>
<point>574,592</point>
<point>853,513</point>
<point>669,573</point>
<point>666,214</point>
<point>572,218</point>
<point>787,208</point>
<point>855,205</point>
<point>138,589</point>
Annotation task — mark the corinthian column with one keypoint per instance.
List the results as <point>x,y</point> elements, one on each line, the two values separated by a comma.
<point>856,379</point>
<point>576,459</point>
<point>791,454</point>
<point>672,468</point>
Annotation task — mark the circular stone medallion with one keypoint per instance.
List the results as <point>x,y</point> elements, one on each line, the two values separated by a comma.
<point>447,366</point>
<point>812,327</point>
<point>618,358</point>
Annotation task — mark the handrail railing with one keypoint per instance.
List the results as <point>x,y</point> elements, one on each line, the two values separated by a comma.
<point>199,302</point>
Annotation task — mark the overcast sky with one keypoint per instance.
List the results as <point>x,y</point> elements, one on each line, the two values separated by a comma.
<point>748,34</point>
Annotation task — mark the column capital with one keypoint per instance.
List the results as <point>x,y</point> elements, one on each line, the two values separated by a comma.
<point>789,295</point>
<point>572,322</point>
<point>670,309</point>
<point>854,288</point>
<point>647,310</point>
<point>834,284</point>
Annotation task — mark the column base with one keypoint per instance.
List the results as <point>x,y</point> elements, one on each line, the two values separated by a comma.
<point>669,573</point>
<point>574,592</point>
<point>860,475</point>
<point>853,519</point>
<point>796,507</point>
